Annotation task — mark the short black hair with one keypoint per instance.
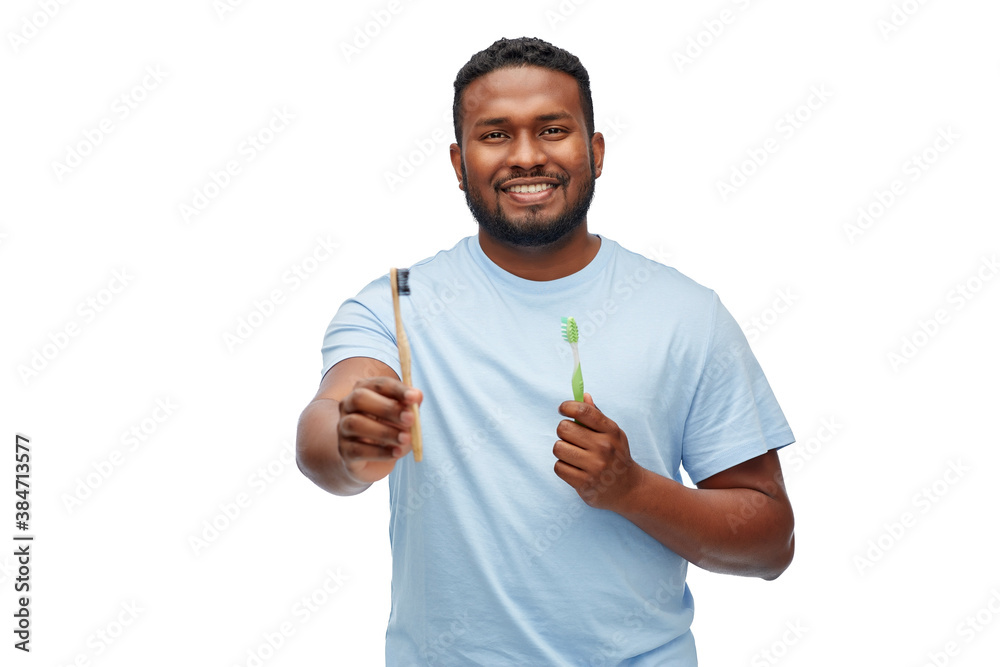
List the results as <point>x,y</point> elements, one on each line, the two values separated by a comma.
<point>521,52</point>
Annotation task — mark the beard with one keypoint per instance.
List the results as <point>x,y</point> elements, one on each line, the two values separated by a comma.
<point>532,230</point>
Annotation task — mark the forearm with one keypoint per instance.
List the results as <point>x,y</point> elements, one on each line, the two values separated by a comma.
<point>738,531</point>
<point>318,452</point>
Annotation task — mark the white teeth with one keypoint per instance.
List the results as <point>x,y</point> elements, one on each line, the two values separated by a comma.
<point>536,187</point>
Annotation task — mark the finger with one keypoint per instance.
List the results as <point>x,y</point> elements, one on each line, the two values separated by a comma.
<point>366,401</point>
<point>574,433</point>
<point>392,388</point>
<point>587,414</point>
<point>576,478</point>
<point>361,451</point>
<point>355,426</point>
<point>569,474</point>
<point>570,454</point>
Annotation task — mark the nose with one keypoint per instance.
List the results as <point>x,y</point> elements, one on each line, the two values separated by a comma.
<point>526,152</point>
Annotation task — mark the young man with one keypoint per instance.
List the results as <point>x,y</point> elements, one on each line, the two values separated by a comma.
<point>538,530</point>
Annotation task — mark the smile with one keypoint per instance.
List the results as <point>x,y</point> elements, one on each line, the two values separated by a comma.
<point>520,192</point>
<point>535,187</point>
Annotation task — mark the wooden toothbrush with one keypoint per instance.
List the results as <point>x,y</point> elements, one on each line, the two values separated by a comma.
<point>400,280</point>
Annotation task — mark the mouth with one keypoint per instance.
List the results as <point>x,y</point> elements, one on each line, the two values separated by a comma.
<point>530,191</point>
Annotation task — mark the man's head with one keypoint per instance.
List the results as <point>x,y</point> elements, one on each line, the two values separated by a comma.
<point>526,152</point>
<point>522,52</point>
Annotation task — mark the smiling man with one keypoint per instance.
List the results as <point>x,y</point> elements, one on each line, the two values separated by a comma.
<point>538,530</point>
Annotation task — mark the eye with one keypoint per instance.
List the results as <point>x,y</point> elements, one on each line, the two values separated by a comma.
<point>494,135</point>
<point>552,131</point>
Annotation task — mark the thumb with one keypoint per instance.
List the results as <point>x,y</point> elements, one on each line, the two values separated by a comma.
<point>588,399</point>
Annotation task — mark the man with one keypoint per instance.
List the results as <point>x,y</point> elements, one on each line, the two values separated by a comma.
<point>538,530</point>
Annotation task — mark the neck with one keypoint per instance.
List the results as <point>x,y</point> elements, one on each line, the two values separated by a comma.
<point>550,262</point>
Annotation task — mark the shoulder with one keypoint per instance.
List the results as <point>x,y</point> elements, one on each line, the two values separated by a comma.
<point>632,270</point>
<point>429,269</point>
<point>453,258</point>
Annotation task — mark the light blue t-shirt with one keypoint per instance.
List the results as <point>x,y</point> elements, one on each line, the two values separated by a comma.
<point>496,560</point>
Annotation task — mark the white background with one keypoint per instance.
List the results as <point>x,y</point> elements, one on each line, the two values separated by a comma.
<point>107,543</point>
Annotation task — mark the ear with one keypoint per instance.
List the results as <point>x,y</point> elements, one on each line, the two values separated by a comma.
<point>597,146</point>
<point>456,162</point>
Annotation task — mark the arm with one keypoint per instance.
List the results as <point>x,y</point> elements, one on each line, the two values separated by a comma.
<point>356,428</point>
<point>738,521</point>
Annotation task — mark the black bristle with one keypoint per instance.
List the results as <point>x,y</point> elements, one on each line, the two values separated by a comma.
<point>403,281</point>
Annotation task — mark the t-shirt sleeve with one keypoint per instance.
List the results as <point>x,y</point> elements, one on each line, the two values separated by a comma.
<point>734,415</point>
<point>364,326</point>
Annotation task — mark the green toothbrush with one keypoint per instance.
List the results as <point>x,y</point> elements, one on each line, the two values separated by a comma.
<point>571,334</point>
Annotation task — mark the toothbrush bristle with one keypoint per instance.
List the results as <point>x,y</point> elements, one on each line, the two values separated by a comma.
<point>570,332</point>
<point>403,281</point>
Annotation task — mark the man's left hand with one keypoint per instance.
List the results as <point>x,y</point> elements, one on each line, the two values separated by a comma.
<point>593,456</point>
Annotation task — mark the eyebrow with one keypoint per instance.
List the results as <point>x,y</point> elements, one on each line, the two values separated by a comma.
<point>502,120</point>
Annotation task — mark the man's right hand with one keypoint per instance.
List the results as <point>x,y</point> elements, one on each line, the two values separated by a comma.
<point>374,427</point>
<point>357,426</point>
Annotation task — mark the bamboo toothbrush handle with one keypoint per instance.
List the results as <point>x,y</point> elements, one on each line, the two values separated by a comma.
<point>403,344</point>
<point>404,362</point>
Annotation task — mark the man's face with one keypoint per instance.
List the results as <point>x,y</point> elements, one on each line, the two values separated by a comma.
<point>526,163</point>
